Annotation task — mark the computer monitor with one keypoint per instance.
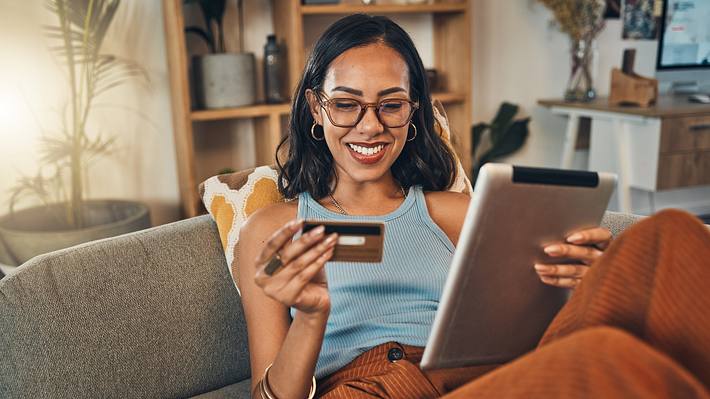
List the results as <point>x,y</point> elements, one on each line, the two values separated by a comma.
<point>683,62</point>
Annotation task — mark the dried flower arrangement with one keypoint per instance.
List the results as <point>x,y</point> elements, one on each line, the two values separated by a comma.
<point>580,19</point>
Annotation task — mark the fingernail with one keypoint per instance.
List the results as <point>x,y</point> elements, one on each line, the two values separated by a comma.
<point>575,237</point>
<point>317,231</point>
<point>332,238</point>
<point>542,268</point>
<point>553,250</point>
<point>547,279</point>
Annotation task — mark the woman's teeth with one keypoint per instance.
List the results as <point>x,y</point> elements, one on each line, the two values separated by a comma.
<point>366,150</point>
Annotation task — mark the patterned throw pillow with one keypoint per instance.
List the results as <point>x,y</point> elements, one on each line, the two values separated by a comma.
<point>232,198</point>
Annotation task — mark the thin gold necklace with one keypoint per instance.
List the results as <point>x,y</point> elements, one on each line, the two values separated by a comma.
<point>342,211</point>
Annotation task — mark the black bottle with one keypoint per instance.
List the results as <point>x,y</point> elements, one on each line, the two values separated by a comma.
<point>273,66</point>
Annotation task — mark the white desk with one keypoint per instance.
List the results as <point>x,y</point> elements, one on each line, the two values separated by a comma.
<point>661,147</point>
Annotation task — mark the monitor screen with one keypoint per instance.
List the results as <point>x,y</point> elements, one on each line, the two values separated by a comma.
<point>685,35</point>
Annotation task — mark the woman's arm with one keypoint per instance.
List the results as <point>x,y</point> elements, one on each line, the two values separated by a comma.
<point>293,348</point>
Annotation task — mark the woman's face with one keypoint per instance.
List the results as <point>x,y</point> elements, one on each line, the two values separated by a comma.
<point>369,74</point>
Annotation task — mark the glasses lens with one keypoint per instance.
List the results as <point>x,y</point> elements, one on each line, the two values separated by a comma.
<point>344,112</point>
<point>394,113</point>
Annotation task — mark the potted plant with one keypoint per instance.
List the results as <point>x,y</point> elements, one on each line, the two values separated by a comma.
<point>65,217</point>
<point>221,79</point>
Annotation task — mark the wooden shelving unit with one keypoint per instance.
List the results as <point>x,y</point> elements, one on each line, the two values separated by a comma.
<point>253,111</point>
<point>267,118</point>
<point>452,59</point>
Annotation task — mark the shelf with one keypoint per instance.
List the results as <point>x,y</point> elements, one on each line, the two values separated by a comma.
<point>251,111</point>
<point>338,9</point>
<point>449,98</point>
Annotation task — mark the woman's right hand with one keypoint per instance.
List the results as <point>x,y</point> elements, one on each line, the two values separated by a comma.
<point>301,281</point>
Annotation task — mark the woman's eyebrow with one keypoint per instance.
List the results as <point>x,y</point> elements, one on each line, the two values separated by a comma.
<point>359,92</point>
<point>348,90</point>
<point>390,91</point>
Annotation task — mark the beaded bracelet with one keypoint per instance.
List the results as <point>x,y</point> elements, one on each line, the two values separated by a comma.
<point>267,393</point>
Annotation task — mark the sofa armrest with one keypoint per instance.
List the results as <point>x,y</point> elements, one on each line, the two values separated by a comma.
<point>617,222</point>
<point>147,314</point>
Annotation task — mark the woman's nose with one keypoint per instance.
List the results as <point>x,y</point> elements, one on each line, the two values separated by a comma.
<point>370,123</point>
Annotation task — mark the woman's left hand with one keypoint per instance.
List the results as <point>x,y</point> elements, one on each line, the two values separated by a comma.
<point>584,246</point>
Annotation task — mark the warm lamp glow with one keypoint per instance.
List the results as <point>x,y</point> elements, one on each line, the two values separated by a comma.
<point>14,114</point>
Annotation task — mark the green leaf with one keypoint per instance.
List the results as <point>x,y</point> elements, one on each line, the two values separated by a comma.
<point>101,20</point>
<point>502,120</point>
<point>477,132</point>
<point>54,149</point>
<point>29,186</point>
<point>111,71</point>
<point>75,13</point>
<point>511,141</point>
<point>204,35</point>
<point>213,9</point>
<point>99,146</point>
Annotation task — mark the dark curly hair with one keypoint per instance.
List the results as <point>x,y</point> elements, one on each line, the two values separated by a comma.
<point>426,161</point>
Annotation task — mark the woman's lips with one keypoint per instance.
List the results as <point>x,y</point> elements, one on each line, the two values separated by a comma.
<point>367,159</point>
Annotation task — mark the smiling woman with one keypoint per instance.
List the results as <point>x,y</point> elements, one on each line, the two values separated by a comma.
<point>355,68</point>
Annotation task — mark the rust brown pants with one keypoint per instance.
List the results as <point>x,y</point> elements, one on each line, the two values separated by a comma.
<point>637,326</point>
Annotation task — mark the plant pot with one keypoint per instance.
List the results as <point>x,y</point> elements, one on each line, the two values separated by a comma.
<point>224,80</point>
<point>35,231</point>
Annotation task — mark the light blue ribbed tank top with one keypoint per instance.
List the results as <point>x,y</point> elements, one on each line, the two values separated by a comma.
<point>396,300</point>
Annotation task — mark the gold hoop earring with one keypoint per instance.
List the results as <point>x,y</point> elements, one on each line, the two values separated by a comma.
<point>313,133</point>
<point>415,132</point>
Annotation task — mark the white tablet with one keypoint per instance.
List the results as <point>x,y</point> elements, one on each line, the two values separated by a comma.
<point>494,307</point>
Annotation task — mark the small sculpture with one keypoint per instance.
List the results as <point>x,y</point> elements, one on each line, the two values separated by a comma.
<point>629,88</point>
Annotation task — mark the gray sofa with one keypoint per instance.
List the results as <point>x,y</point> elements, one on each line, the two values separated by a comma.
<point>151,314</point>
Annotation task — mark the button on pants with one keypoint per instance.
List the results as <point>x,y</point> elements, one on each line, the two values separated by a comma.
<point>391,370</point>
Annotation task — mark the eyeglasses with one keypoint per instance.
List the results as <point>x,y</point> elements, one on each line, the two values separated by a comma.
<point>347,112</point>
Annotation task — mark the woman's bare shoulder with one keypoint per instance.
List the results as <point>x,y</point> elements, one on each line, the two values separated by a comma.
<point>446,201</point>
<point>448,209</point>
<point>270,218</point>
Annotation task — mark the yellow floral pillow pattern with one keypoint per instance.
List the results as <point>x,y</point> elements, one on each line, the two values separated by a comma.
<point>232,198</point>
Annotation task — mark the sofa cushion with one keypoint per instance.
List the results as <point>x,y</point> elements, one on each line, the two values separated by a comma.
<point>617,222</point>
<point>232,198</point>
<point>148,314</point>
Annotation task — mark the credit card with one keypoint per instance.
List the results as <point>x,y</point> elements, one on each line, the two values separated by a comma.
<point>357,241</point>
